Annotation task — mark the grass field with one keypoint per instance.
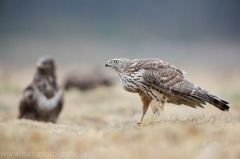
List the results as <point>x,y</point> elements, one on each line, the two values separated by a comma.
<point>101,123</point>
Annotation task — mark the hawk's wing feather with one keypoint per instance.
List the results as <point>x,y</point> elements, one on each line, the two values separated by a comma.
<point>27,101</point>
<point>161,75</point>
<point>171,80</point>
<point>158,73</point>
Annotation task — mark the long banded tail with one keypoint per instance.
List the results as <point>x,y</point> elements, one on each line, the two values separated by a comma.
<point>212,99</point>
<point>191,95</point>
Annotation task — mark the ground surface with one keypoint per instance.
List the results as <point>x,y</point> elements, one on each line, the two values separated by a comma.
<point>101,123</point>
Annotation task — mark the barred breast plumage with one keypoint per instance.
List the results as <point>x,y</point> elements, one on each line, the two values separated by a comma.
<point>134,82</point>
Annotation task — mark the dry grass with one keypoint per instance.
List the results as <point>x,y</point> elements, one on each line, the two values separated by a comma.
<point>102,124</point>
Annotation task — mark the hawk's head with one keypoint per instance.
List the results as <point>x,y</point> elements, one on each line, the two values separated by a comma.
<point>46,65</point>
<point>118,64</point>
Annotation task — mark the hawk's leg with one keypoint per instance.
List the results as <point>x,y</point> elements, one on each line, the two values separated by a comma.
<point>142,118</point>
<point>150,118</point>
<point>157,107</point>
<point>145,102</point>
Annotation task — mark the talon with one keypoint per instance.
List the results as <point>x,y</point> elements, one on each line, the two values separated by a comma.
<point>141,121</point>
<point>142,124</point>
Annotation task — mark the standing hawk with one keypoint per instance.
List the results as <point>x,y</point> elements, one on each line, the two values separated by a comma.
<point>42,100</point>
<point>157,82</point>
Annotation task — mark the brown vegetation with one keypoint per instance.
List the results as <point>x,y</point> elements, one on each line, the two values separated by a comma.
<point>101,123</point>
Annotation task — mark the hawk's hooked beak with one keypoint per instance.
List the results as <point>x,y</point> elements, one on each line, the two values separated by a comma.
<point>107,64</point>
<point>39,65</point>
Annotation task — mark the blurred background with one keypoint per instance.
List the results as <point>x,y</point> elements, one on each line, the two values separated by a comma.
<point>200,37</point>
<point>203,34</point>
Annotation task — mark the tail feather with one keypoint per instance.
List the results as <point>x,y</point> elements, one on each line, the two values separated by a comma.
<point>191,95</point>
<point>212,99</point>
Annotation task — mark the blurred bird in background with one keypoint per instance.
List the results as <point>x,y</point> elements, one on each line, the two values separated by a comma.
<point>87,79</point>
<point>42,100</point>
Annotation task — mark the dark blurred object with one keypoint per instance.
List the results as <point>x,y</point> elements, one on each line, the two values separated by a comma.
<point>87,79</point>
<point>42,100</point>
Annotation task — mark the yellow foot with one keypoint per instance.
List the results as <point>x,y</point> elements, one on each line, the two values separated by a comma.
<point>141,123</point>
<point>150,118</point>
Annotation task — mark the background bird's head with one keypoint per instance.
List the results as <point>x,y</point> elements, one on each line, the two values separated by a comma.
<point>46,65</point>
<point>118,64</point>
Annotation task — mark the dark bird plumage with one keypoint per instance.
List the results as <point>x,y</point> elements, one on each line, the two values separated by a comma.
<point>42,100</point>
<point>157,82</point>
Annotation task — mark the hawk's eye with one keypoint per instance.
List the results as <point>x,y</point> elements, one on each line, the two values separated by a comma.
<point>116,61</point>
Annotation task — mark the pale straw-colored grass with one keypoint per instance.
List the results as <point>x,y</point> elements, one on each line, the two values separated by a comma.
<point>101,123</point>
